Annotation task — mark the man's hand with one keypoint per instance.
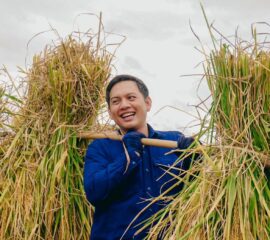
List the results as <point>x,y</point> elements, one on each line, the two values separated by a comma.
<point>132,141</point>
<point>184,142</point>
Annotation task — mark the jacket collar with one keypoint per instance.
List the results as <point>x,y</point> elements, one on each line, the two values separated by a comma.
<point>151,132</point>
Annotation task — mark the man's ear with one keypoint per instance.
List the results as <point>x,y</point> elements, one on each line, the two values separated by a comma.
<point>148,102</point>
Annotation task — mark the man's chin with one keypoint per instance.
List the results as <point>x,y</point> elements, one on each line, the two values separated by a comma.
<point>128,127</point>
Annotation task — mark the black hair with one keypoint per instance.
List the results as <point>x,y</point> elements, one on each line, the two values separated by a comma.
<point>124,77</point>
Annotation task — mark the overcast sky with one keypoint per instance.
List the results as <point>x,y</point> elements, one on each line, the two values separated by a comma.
<point>159,45</point>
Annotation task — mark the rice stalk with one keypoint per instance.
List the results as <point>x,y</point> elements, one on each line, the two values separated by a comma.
<point>228,196</point>
<point>42,190</point>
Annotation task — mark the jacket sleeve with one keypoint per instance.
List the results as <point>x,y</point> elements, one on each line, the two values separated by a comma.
<point>101,175</point>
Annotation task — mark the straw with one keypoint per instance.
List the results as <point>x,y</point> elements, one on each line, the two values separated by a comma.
<point>42,194</point>
<point>228,196</point>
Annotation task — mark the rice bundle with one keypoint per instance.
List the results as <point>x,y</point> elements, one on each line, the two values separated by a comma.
<point>228,196</point>
<point>42,194</point>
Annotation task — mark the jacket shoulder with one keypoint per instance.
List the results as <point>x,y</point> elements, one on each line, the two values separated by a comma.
<point>103,145</point>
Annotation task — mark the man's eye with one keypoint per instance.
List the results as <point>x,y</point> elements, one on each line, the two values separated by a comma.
<point>131,97</point>
<point>115,102</point>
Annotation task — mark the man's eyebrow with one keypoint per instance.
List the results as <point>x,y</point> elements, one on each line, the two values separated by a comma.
<point>131,93</point>
<point>125,95</point>
<point>114,97</point>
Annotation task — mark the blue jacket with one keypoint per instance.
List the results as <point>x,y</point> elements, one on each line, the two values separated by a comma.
<point>118,196</point>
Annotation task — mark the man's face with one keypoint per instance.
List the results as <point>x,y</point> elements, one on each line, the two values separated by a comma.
<point>128,107</point>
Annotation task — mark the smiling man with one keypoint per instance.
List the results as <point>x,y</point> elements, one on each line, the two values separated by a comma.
<point>118,190</point>
<point>128,106</point>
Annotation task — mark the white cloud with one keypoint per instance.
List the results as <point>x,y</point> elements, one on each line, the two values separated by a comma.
<point>156,26</point>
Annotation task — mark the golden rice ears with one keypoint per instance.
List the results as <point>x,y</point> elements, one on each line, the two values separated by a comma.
<point>229,194</point>
<point>42,164</point>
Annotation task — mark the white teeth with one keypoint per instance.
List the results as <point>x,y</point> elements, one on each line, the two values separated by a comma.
<point>127,115</point>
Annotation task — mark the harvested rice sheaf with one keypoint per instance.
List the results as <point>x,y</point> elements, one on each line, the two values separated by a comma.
<point>42,195</point>
<point>228,196</point>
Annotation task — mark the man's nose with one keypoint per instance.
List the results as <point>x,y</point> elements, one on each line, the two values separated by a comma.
<point>124,104</point>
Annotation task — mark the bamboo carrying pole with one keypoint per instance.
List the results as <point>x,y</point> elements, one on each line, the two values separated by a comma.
<point>114,136</point>
<point>145,141</point>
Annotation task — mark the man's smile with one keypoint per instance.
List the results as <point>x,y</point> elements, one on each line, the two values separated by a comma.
<point>128,115</point>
